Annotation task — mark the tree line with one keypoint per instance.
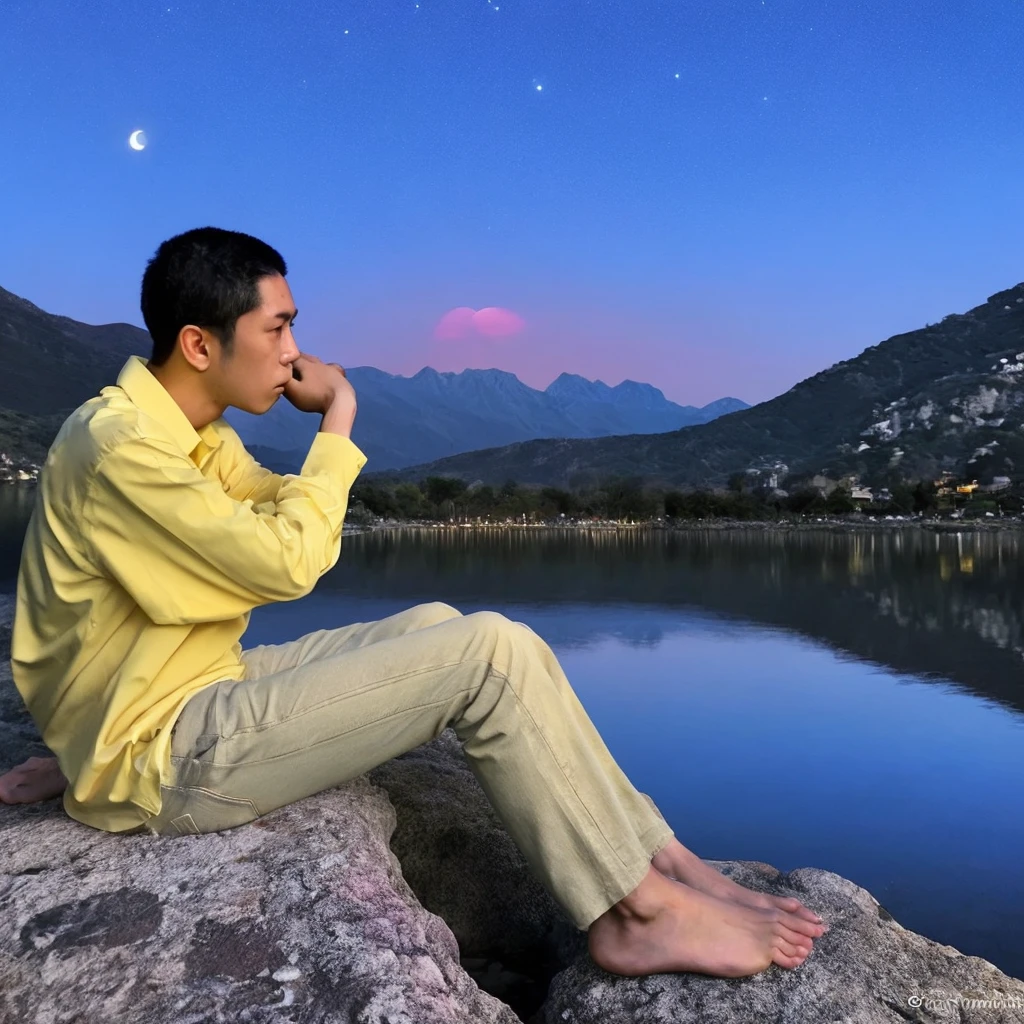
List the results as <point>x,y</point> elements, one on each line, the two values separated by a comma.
<point>440,499</point>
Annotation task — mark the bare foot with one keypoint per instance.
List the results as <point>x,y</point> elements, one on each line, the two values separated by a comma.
<point>38,778</point>
<point>667,926</point>
<point>676,861</point>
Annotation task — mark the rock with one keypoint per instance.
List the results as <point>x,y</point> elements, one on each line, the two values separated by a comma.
<point>866,970</point>
<point>305,909</point>
<point>138,928</point>
<point>306,915</point>
<point>463,866</point>
<point>19,738</point>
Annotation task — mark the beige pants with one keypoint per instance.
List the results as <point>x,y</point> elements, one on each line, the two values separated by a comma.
<point>325,708</point>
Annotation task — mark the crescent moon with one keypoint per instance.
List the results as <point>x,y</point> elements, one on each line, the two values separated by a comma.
<point>137,139</point>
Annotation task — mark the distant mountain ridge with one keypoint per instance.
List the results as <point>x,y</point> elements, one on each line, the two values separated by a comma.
<point>52,364</point>
<point>403,421</point>
<point>947,396</point>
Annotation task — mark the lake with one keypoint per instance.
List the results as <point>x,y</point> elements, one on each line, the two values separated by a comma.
<point>847,701</point>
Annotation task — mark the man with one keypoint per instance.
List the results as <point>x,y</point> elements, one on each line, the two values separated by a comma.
<point>153,536</point>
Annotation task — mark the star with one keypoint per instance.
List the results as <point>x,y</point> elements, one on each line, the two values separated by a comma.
<point>677,74</point>
<point>540,88</point>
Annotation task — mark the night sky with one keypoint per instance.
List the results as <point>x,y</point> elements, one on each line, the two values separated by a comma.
<point>720,197</point>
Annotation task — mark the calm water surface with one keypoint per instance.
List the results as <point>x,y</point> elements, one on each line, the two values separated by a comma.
<point>850,702</point>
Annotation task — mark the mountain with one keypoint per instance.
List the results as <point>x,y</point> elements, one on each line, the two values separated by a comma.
<point>631,408</point>
<point>404,421</point>
<point>51,364</point>
<point>947,396</point>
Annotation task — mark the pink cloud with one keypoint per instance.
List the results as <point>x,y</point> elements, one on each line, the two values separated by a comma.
<point>491,321</point>
<point>496,322</point>
<point>456,323</point>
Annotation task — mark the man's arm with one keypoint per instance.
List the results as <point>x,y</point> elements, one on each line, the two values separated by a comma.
<point>188,552</point>
<point>242,475</point>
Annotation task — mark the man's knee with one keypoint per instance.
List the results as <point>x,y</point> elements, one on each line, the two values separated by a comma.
<point>499,627</point>
<point>435,612</point>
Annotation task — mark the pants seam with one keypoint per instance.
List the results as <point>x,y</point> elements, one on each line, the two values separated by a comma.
<point>328,739</point>
<point>260,727</point>
<point>571,784</point>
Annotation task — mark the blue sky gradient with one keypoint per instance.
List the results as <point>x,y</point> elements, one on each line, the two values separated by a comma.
<point>719,197</point>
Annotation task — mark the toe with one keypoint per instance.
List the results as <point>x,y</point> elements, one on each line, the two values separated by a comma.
<point>791,950</point>
<point>789,903</point>
<point>8,787</point>
<point>806,913</point>
<point>793,906</point>
<point>789,962</point>
<point>796,938</point>
<point>796,923</point>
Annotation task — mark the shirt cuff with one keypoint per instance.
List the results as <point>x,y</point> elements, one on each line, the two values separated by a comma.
<point>335,455</point>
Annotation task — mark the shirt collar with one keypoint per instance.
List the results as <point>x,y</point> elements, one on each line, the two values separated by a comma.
<point>146,392</point>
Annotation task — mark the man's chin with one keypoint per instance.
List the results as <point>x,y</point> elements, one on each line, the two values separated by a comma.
<point>258,410</point>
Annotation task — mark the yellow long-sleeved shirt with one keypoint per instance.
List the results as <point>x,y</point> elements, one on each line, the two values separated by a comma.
<point>147,548</point>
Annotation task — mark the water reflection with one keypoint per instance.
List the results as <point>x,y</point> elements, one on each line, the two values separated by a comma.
<point>927,604</point>
<point>15,508</point>
<point>947,605</point>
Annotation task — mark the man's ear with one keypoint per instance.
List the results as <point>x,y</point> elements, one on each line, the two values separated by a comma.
<point>195,343</point>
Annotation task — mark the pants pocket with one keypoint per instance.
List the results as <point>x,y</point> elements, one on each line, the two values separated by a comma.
<point>193,810</point>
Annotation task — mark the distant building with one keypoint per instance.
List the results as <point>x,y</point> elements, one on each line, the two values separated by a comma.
<point>862,494</point>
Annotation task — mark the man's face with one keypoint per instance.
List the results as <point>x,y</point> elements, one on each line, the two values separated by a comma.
<point>252,378</point>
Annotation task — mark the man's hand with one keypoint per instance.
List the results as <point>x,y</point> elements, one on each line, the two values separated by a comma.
<point>322,387</point>
<point>316,386</point>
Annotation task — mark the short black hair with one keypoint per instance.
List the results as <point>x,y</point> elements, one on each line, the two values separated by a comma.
<point>208,277</point>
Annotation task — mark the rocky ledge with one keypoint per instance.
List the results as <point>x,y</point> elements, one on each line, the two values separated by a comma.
<point>396,898</point>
